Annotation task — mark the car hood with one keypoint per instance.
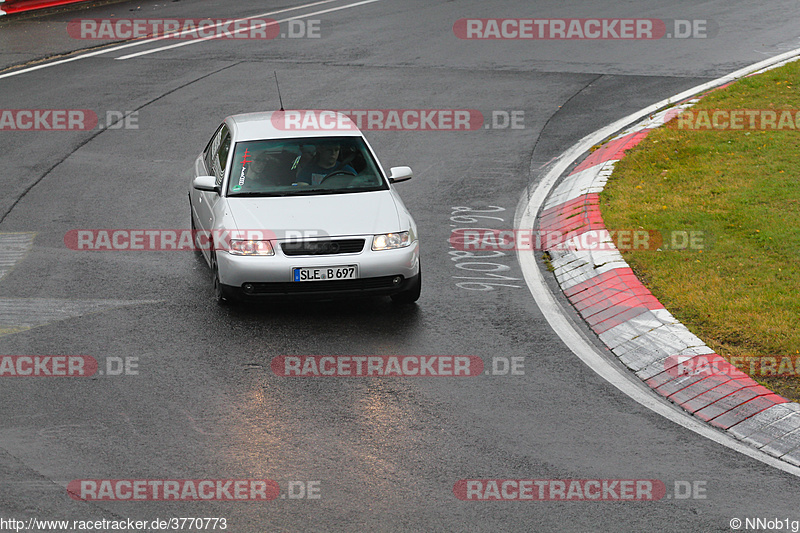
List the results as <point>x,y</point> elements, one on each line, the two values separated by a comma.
<point>331,214</point>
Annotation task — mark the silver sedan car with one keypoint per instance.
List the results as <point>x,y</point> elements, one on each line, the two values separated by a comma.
<point>305,211</point>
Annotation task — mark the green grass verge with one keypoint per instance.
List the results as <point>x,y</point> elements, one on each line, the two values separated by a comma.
<point>740,295</point>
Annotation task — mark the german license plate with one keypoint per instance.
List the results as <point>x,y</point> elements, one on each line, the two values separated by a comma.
<point>325,273</point>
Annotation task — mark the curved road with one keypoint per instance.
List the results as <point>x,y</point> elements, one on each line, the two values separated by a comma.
<point>385,451</point>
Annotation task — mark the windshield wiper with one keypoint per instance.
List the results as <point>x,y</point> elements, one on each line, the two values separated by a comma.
<point>306,192</point>
<point>251,194</point>
<point>302,192</point>
<point>345,190</point>
<point>363,189</point>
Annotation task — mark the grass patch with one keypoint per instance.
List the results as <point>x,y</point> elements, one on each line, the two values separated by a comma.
<point>548,262</point>
<point>741,294</point>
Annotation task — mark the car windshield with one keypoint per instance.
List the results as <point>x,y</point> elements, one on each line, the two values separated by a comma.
<point>308,166</point>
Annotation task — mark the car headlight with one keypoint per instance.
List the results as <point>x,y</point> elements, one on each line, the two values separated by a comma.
<point>390,241</point>
<point>251,248</point>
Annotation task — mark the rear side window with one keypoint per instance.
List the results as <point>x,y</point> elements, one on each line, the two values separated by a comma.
<point>221,158</point>
<point>211,149</point>
<point>216,154</point>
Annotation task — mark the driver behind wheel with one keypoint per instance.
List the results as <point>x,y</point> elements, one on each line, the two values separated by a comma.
<point>324,162</point>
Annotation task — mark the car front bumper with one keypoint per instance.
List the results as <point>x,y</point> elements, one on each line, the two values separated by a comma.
<point>383,272</point>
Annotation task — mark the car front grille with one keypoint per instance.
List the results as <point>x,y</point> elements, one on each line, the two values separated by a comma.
<point>330,286</point>
<point>327,247</point>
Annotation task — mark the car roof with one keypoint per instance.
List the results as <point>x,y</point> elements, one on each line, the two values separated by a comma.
<point>271,125</point>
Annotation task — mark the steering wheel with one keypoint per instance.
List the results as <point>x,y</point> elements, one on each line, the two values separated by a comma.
<point>337,173</point>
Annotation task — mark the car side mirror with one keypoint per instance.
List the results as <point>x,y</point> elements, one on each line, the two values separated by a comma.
<point>398,174</point>
<point>205,183</point>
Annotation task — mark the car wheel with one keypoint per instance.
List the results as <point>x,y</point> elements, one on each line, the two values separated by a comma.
<point>195,247</point>
<point>221,294</point>
<point>411,295</point>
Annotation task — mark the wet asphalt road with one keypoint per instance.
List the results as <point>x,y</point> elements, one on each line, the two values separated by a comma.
<point>385,451</point>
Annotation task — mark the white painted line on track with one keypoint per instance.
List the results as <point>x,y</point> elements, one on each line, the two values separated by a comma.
<point>196,41</point>
<point>13,248</point>
<point>21,314</point>
<point>143,42</point>
<point>527,210</point>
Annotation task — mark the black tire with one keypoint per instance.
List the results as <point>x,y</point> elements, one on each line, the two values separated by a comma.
<point>411,295</point>
<point>196,249</point>
<point>221,293</point>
